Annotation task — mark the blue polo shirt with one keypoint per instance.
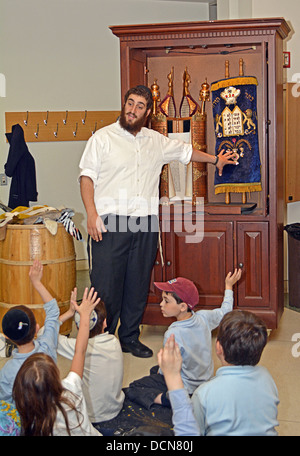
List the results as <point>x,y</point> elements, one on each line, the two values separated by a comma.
<point>239,400</point>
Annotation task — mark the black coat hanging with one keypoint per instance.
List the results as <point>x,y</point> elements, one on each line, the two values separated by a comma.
<point>20,166</point>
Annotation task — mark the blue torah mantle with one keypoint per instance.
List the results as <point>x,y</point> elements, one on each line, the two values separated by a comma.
<point>235,122</point>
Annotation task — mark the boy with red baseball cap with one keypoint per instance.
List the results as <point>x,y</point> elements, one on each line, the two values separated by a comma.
<point>192,331</point>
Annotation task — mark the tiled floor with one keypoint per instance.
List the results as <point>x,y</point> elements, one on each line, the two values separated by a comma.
<point>278,357</point>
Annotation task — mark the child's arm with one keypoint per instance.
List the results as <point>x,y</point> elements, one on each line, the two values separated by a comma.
<point>35,274</point>
<point>170,361</point>
<point>231,279</point>
<point>47,341</point>
<point>89,302</point>
<point>213,317</point>
<point>71,311</point>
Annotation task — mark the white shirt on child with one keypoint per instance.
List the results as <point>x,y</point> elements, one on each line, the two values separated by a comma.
<point>83,427</point>
<point>102,375</point>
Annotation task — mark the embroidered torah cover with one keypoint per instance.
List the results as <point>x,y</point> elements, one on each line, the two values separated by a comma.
<point>234,102</point>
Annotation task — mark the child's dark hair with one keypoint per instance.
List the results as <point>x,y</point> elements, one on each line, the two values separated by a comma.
<point>243,337</point>
<point>100,310</point>
<point>29,335</point>
<point>177,299</point>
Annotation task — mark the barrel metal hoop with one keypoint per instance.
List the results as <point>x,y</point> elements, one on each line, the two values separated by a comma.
<point>29,263</point>
<point>32,306</point>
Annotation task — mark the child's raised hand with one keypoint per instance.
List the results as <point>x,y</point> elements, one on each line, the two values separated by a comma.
<point>169,357</point>
<point>170,361</point>
<point>73,299</point>
<point>36,271</point>
<point>88,303</point>
<point>231,279</point>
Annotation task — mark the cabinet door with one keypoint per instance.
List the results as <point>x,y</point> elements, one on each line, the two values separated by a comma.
<point>206,262</point>
<point>253,252</point>
<point>152,314</point>
<point>137,68</point>
<point>154,295</point>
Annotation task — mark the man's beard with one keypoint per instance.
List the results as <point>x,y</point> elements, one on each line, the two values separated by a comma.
<point>132,128</point>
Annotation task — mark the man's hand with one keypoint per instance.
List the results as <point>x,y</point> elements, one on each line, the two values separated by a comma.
<point>226,158</point>
<point>96,227</point>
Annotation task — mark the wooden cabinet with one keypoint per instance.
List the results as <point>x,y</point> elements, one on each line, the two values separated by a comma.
<point>253,253</point>
<point>228,239</point>
<point>204,261</point>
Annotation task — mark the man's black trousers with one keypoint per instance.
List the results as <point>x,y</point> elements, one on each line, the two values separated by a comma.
<point>120,270</point>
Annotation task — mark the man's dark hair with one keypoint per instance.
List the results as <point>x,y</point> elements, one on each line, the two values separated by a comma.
<point>243,337</point>
<point>142,91</point>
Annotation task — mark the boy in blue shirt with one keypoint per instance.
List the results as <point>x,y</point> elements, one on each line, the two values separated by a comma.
<point>241,400</point>
<point>19,326</point>
<point>192,331</point>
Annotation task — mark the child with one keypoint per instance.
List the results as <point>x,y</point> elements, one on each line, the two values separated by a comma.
<point>192,332</point>
<point>103,364</point>
<point>48,406</point>
<point>19,326</point>
<point>242,398</point>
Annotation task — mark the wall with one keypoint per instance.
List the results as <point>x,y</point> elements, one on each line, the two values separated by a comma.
<point>290,10</point>
<point>61,55</point>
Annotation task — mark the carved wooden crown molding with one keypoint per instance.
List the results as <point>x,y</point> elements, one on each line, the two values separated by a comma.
<point>207,29</point>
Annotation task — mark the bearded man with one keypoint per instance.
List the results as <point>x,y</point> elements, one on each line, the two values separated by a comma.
<point>119,182</point>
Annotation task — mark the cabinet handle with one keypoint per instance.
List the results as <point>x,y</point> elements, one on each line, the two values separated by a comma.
<point>169,263</point>
<point>157,262</point>
<point>241,265</point>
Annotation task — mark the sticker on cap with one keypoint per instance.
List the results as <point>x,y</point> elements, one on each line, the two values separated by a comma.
<point>172,281</point>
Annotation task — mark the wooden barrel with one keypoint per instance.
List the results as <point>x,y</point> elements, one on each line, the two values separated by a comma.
<point>22,245</point>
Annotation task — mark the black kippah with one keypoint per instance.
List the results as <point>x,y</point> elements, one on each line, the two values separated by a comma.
<point>144,88</point>
<point>15,324</point>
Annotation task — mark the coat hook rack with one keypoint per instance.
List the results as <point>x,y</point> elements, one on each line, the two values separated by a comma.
<point>36,134</point>
<point>65,120</point>
<point>95,128</point>
<point>75,132</point>
<point>46,120</point>
<point>60,125</point>
<point>26,120</point>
